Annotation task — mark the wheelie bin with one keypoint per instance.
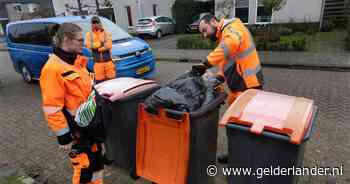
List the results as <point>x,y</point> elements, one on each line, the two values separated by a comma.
<point>176,147</point>
<point>267,132</point>
<point>124,95</point>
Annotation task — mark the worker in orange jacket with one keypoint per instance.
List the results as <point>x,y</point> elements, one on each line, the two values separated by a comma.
<point>99,41</point>
<point>235,56</point>
<point>65,84</point>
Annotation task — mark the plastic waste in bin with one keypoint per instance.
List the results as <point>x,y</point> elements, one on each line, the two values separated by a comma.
<point>175,147</point>
<point>124,95</point>
<point>267,130</point>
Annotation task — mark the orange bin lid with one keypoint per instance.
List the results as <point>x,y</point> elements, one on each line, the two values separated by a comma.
<point>278,113</point>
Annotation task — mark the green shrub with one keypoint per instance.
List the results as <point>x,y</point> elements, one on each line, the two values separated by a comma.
<point>194,41</point>
<point>295,42</point>
<point>285,43</point>
<point>299,44</point>
<point>285,31</point>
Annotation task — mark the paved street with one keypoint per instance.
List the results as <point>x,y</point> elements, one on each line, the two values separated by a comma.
<point>25,142</point>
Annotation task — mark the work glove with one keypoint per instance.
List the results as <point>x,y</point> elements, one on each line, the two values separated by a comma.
<point>217,81</point>
<point>199,69</point>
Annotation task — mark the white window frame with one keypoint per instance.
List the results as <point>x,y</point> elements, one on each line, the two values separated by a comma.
<point>256,15</point>
<point>245,23</point>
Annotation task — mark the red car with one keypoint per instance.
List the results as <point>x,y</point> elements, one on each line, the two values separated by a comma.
<point>193,27</point>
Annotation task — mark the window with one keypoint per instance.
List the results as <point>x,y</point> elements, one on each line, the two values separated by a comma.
<point>31,33</point>
<point>145,21</point>
<point>167,19</point>
<point>116,32</point>
<point>160,19</point>
<point>242,10</point>
<point>263,15</point>
<point>154,10</point>
<point>128,11</point>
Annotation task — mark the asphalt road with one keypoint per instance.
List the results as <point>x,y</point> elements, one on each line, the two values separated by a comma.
<point>25,142</point>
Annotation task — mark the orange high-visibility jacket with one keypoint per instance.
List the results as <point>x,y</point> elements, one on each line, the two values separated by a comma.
<point>236,56</point>
<point>99,42</point>
<point>63,86</point>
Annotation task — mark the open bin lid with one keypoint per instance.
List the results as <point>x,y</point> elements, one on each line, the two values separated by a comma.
<point>123,87</point>
<point>273,112</point>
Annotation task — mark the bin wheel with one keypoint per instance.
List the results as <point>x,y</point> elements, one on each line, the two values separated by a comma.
<point>133,174</point>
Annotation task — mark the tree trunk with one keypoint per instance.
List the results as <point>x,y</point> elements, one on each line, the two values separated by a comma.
<point>79,7</point>
<point>97,7</point>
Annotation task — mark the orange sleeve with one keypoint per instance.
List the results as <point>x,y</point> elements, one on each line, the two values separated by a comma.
<point>226,48</point>
<point>52,90</point>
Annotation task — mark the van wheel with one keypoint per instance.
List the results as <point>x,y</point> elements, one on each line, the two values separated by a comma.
<point>159,34</point>
<point>26,75</point>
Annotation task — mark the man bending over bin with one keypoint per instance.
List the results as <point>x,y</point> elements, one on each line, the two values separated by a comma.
<point>235,56</point>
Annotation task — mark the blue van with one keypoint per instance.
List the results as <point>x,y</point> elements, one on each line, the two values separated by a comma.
<point>30,43</point>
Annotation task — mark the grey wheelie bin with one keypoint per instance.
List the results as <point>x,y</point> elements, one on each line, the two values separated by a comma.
<point>267,132</point>
<point>125,94</point>
<point>176,147</point>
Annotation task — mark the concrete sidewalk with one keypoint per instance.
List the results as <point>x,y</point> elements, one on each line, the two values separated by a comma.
<point>275,58</point>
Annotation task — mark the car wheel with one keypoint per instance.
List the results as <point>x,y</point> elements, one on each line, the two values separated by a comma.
<point>159,34</point>
<point>26,75</point>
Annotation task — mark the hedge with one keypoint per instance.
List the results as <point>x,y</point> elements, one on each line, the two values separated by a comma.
<point>284,28</point>
<point>194,41</point>
<point>347,40</point>
<point>295,42</point>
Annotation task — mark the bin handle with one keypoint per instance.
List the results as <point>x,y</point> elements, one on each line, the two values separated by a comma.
<point>136,86</point>
<point>164,113</point>
<point>264,133</point>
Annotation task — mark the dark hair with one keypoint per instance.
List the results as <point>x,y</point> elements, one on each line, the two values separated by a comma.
<point>95,19</point>
<point>207,18</point>
<point>68,30</point>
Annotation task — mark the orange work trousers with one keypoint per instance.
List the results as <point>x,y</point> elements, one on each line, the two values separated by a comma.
<point>83,171</point>
<point>104,70</point>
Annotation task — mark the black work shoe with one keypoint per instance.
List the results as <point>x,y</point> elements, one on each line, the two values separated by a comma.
<point>223,158</point>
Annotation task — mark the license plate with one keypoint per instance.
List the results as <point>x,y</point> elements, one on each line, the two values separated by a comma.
<point>143,70</point>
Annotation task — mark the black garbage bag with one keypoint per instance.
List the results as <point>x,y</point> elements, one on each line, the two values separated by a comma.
<point>186,93</point>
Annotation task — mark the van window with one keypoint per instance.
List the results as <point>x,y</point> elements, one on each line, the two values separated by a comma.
<point>31,33</point>
<point>116,32</point>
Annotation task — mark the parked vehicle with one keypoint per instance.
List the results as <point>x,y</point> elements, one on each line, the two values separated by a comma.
<point>155,26</point>
<point>194,26</point>
<point>30,43</point>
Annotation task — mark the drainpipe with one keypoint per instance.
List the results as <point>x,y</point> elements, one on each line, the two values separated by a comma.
<point>97,7</point>
<point>322,14</point>
<point>79,7</point>
<point>140,8</point>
